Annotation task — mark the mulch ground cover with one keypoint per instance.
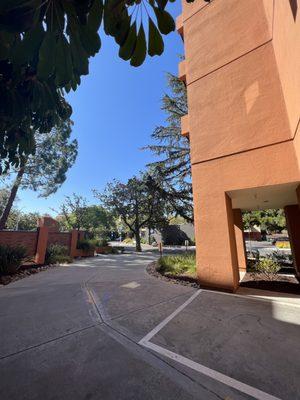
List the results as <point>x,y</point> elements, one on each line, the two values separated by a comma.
<point>283,283</point>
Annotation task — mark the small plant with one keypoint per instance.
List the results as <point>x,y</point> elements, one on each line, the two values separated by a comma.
<point>267,267</point>
<point>11,258</point>
<point>57,254</point>
<point>87,244</point>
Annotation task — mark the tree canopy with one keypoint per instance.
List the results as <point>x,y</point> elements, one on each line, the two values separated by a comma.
<point>75,213</point>
<point>271,221</point>
<point>136,202</point>
<point>45,47</point>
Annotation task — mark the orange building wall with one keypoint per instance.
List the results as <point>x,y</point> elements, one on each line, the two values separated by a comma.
<point>242,71</point>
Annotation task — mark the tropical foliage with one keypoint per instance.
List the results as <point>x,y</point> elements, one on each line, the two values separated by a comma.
<point>45,47</point>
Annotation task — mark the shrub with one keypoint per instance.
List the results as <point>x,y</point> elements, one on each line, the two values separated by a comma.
<point>267,267</point>
<point>87,244</point>
<point>281,258</point>
<point>178,264</point>
<point>102,242</point>
<point>56,254</point>
<point>11,258</point>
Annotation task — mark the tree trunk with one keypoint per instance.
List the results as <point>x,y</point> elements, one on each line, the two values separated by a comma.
<point>149,235</point>
<point>11,199</point>
<point>138,246</point>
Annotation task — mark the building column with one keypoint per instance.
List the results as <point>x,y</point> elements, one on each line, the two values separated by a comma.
<point>240,242</point>
<point>41,247</point>
<point>217,260</point>
<point>292,214</point>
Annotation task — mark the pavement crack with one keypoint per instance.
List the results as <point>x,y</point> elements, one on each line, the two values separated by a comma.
<point>48,341</point>
<point>151,306</point>
<point>107,323</point>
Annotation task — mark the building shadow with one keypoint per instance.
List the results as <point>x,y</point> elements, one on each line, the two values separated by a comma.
<point>294,8</point>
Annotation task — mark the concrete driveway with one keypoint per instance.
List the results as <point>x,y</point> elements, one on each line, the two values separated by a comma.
<point>104,329</point>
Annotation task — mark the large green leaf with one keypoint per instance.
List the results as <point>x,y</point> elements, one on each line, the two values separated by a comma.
<point>6,40</point>
<point>165,21</point>
<point>63,62</point>
<point>140,50</point>
<point>18,16</point>
<point>79,57</point>
<point>90,40</point>
<point>123,29</point>
<point>128,47</point>
<point>95,15</point>
<point>155,42</point>
<point>162,4</point>
<point>27,48</point>
<point>47,56</point>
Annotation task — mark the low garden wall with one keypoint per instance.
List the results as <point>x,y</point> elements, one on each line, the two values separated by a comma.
<point>28,239</point>
<point>62,238</point>
<point>47,233</point>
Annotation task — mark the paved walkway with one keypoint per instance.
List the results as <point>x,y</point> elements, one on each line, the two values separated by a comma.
<point>104,329</point>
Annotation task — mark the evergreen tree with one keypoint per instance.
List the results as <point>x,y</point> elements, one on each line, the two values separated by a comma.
<point>172,172</point>
<point>270,221</point>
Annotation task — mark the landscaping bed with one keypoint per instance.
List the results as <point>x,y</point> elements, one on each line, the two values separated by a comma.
<point>181,269</point>
<point>15,263</point>
<point>23,272</point>
<point>282,283</point>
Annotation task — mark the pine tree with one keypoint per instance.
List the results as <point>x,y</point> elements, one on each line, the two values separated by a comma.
<point>172,172</point>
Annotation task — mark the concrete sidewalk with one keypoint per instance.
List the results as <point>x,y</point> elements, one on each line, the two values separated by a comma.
<point>74,333</point>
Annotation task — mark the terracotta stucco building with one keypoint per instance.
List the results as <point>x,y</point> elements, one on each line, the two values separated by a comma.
<point>242,71</point>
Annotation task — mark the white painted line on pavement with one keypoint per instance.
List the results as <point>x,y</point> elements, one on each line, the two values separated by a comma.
<point>242,387</point>
<point>168,319</point>
<point>218,376</point>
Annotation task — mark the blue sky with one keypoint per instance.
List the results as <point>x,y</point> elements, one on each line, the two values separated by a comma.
<point>115,109</point>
